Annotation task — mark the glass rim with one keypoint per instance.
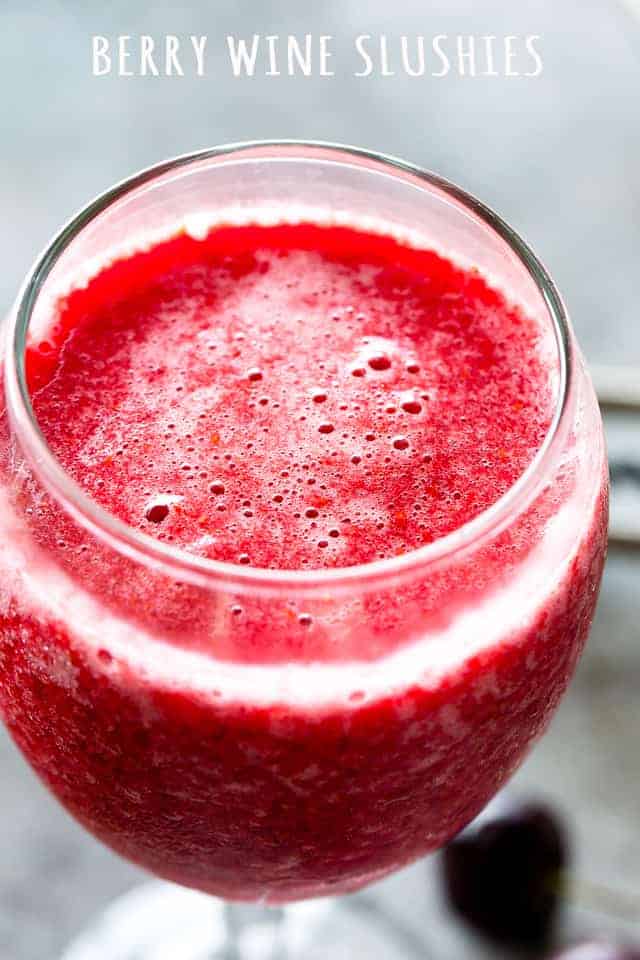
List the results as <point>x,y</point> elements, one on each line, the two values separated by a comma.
<point>185,566</point>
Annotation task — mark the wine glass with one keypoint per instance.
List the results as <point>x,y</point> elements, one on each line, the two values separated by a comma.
<point>274,782</point>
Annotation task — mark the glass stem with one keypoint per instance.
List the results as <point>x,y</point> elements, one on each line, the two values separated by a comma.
<point>254,932</point>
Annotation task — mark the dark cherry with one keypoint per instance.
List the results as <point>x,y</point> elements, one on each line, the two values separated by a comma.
<point>599,950</point>
<point>505,873</point>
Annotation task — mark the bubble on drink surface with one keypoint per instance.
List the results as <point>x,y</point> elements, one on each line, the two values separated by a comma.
<point>379,362</point>
<point>244,559</point>
<point>305,619</point>
<point>326,428</point>
<point>400,443</point>
<point>411,406</point>
<point>254,374</point>
<point>157,512</point>
<point>311,513</point>
<point>217,487</point>
<point>319,396</point>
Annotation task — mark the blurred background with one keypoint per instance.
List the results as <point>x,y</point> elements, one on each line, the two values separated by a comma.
<point>558,156</point>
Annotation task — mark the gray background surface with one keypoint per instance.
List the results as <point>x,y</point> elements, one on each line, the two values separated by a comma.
<point>558,156</point>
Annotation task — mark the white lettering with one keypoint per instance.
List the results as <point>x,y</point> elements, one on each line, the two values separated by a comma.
<point>273,59</point>
<point>367,70</point>
<point>198,44</point>
<point>385,71</point>
<point>241,59</point>
<point>509,55</point>
<point>171,61</point>
<point>488,47</point>
<point>295,55</point>
<point>325,55</point>
<point>101,59</point>
<point>439,52</point>
<point>537,59</point>
<point>123,56</point>
<point>147,63</point>
<point>410,70</point>
<point>466,49</point>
